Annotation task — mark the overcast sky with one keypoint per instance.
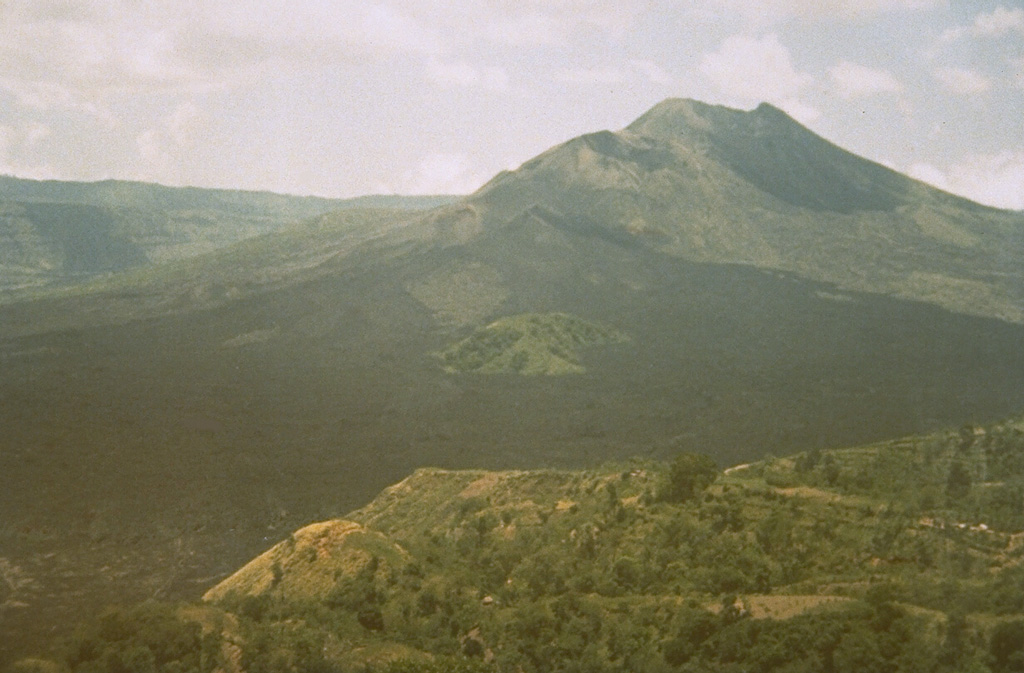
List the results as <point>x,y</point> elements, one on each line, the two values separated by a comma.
<point>341,98</point>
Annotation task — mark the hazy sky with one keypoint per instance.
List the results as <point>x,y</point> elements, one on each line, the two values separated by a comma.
<point>342,98</point>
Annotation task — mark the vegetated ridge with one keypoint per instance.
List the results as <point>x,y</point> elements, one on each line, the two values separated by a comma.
<point>54,233</point>
<point>898,556</point>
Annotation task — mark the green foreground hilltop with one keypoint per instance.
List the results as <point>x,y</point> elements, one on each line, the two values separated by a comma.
<point>898,556</point>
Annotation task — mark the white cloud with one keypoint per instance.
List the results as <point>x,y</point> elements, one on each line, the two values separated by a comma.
<point>993,179</point>
<point>382,25</point>
<point>5,144</point>
<point>767,12</point>
<point>150,148</point>
<point>181,123</point>
<point>463,74</point>
<point>440,173</point>
<point>607,75</point>
<point>857,81</point>
<point>22,139</point>
<point>994,24</point>
<point>19,150</point>
<point>799,110</point>
<point>655,74</point>
<point>530,29</point>
<point>60,55</point>
<point>962,81</point>
<point>310,30</point>
<point>931,174</point>
<point>999,22</point>
<point>162,146</point>
<point>949,35</point>
<point>751,70</point>
<point>36,132</point>
<point>613,17</point>
<point>633,72</point>
<point>77,62</point>
<point>525,23</point>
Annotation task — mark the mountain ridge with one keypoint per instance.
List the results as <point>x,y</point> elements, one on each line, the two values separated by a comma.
<point>713,184</point>
<point>117,192</point>
<point>765,120</point>
<point>59,234</point>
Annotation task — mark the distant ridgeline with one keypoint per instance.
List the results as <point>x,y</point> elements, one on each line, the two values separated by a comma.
<point>54,232</point>
<point>698,182</point>
<point>899,556</point>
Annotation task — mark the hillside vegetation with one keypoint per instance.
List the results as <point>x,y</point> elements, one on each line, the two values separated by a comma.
<point>899,556</point>
<point>528,344</point>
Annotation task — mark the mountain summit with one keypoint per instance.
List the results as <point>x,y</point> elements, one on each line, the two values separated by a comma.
<point>714,184</point>
<point>776,154</point>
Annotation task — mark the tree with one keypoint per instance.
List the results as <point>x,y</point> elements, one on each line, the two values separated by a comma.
<point>688,475</point>
<point>958,483</point>
<point>955,643</point>
<point>1007,646</point>
<point>858,652</point>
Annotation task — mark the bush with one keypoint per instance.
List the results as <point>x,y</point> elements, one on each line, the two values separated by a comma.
<point>148,637</point>
<point>688,475</point>
<point>1007,646</point>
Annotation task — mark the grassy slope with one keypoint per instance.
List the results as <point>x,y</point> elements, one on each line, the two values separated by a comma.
<point>827,560</point>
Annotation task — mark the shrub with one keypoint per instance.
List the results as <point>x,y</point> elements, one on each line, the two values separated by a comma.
<point>688,475</point>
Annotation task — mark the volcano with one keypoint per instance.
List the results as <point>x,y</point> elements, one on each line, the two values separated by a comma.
<point>768,292</point>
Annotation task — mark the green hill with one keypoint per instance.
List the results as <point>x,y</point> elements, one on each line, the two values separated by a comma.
<point>898,556</point>
<point>55,233</point>
<point>528,344</point>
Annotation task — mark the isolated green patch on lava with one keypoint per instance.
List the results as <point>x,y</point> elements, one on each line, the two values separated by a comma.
<point>529,344</point>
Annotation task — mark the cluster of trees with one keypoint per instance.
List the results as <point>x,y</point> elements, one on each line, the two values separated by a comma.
<point>973,475</point>
<point>571,633</point>
<point>147,638</point>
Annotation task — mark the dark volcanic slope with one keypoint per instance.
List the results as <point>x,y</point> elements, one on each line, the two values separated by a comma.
<point>150,456</point>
